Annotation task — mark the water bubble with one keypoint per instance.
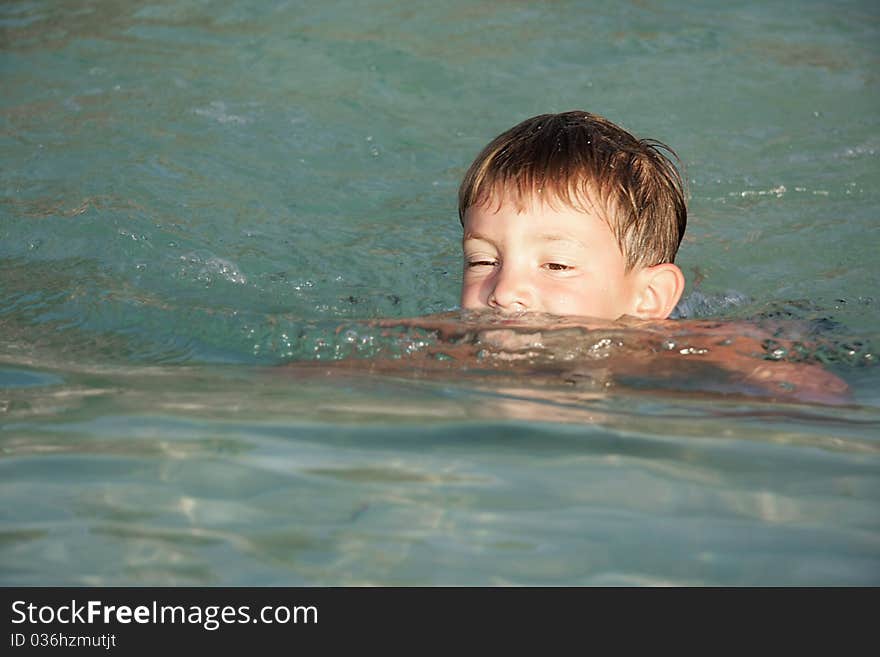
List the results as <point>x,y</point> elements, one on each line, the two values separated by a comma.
<point>774,350</point>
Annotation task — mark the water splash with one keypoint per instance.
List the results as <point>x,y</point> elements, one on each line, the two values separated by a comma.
<point>698,304</point>
<point>217,111</point>
<point>207,268</point>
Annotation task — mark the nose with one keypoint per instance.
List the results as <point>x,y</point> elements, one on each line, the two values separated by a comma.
<point>511,292</point>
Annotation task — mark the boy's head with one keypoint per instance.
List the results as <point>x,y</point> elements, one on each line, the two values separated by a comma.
<point>570,214</point>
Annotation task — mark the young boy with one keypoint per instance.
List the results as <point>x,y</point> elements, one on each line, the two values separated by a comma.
<point>569,214</point>
<point>571,226</point>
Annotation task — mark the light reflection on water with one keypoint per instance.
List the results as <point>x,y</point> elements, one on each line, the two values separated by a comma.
<point>206,210</point>
<point>310,476</point>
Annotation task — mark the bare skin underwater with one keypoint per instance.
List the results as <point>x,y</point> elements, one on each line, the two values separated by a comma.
<point>545,354</point>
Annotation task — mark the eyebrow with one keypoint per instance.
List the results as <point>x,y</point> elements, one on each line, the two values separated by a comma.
<point>476,236</point>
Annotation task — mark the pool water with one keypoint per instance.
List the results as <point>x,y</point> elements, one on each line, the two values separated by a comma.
<point>204,206</point>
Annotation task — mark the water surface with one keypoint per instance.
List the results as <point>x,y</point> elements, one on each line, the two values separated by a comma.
<point>202,205</point>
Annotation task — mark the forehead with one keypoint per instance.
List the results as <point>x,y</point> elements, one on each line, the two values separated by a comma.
<point>540,202</point>
<point>536,220</point>
<point>585,198</point>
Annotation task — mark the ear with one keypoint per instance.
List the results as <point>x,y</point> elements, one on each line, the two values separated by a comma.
<point>661,287</point>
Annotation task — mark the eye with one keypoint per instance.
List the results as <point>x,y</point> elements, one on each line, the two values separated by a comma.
<point>481,263</point>
<point>557,266</point>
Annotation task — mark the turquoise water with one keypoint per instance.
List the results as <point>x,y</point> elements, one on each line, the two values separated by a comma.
<point>195,193</point>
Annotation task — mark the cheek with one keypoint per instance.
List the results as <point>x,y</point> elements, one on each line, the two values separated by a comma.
<point>579,299</point>
<point>558,298</point>
<point>470,295</point>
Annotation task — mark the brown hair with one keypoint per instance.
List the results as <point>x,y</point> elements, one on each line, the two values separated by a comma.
<point>577,158</point>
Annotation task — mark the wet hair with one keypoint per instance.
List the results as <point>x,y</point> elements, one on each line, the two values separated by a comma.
<point>588,163</point>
